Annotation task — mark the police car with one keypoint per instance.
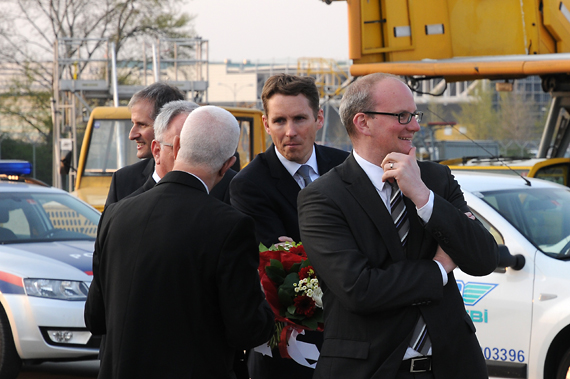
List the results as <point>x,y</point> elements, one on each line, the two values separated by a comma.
<point>522,310</point>
<point>46,246</point>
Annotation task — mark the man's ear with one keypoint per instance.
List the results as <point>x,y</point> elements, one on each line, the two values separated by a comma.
<point>226,166</point>
<point>361,124</point>
<point>265,124</point>
<point>176,146</point>
<point>155,149</point>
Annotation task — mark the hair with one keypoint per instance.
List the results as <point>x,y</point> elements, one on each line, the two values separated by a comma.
<point>358,98</point>
<point>290,85</point>
<point>168,112</point>
<point>209,137</point>
<point>158,94</point>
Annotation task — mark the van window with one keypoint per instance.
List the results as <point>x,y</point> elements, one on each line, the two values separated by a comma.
<point>541,215</point>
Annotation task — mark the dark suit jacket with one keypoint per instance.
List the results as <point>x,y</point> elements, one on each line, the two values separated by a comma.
<point>129,179</point>
<point>221,191</point>
<point>374,292</point>
<point>266,191</point>
<point>175,285</point>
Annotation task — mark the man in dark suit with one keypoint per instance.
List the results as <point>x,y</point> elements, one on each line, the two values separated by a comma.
<point>384,260</point>
<point>145,106</point>
<point>267,188</point>
<point>175,286</point>
<point>167,125</point>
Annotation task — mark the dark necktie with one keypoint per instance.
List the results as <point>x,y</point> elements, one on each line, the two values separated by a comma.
<point>420,341</point>
<point>304,172</point>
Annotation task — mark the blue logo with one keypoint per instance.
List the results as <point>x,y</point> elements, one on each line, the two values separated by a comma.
<point>473,292</point>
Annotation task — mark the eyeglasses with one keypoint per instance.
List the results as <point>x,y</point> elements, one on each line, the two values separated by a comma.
<point>403,117</point>
<point>166,144</point>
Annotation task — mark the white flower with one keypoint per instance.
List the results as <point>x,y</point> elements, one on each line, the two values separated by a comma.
<point>318,296</point>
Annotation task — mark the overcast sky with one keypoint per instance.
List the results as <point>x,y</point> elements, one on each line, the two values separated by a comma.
<point>267,30</point>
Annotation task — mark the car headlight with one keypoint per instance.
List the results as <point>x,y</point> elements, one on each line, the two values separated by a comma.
<point>56,289</point>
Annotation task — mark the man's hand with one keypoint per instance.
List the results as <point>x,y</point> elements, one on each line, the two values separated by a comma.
<point>445,260</point>
<point>404,168</point>
<point>283,240</point>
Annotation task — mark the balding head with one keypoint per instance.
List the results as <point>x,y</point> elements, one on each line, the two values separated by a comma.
<point>209,138</point>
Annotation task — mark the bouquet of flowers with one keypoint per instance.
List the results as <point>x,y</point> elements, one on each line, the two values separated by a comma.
<point>292,290</point>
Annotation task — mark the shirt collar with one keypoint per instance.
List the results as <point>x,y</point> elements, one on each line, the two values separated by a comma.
<point>373,172</point>
<point>156,177</point>
<point>292,167</point>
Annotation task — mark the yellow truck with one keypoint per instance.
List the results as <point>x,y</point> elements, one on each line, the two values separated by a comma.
<point>106,148</point>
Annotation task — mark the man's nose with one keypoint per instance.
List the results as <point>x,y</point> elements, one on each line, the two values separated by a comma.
<point>414,125</point>
<point>134,133</point>
<point>290,129</point>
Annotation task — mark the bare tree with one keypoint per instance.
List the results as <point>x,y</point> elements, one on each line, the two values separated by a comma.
<point>29,28</point>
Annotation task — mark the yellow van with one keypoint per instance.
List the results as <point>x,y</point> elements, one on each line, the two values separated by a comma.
<point>106,148</point>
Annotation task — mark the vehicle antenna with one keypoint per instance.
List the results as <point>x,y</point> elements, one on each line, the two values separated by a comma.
<point>501,161</point>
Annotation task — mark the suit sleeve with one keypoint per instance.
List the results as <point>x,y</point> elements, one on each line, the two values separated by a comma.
<point>466,241</point>
<point>342,259</point>
<point>248,319</point>
<point>249,198</point>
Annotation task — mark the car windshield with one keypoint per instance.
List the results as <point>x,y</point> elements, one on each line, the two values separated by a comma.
<point>35,217</point>
<point>541,214</point>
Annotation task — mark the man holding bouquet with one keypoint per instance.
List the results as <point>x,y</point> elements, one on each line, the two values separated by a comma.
<point>267,188</point>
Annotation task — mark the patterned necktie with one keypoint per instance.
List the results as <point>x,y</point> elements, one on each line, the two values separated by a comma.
<point>304,172</point>
<point>420,341</point>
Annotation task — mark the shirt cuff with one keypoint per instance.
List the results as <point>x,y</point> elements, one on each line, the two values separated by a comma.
<point>426,211</point>
<point>443,273</point>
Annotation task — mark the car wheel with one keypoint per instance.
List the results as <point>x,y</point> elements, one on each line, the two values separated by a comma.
<point>10,362</point>
<point>564,367</point>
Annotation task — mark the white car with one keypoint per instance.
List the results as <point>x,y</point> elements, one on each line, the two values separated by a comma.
<point>522,312</point>
<point>46,247</point>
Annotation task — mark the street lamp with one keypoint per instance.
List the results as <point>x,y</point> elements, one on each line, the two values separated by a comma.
<point>235,89</point>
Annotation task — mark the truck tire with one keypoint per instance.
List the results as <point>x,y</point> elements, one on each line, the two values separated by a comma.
<point>10,362</point>
<point>564,366</point>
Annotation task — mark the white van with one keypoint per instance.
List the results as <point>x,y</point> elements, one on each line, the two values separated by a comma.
<point>522,311</point>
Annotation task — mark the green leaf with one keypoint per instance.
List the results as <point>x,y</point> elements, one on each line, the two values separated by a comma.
<point>276,263</point>
<point>285,297</point>
<point>291,312</point>
<point>290,279</point>
<point>276,274</point>
<point>305,263</point>
<point>310,323</point>
<point>262,247</point>
<point>295,267</point>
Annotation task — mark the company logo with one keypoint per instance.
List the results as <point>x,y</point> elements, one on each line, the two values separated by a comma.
<point>473,292</point>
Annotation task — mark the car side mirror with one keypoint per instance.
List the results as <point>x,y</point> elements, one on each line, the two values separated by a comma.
<point>506,259</point>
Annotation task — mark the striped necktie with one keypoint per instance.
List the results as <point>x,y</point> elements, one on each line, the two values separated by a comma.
<point>420,341</point>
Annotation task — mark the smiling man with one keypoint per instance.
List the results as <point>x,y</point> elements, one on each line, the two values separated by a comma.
<point>385,232</point>
<point>145,106</point>
<point>267,188</point>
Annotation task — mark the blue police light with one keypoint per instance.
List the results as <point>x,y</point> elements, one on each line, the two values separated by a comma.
<point>15,167</point>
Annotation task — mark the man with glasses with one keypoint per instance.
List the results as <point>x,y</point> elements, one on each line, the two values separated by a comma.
<point>384,233</point>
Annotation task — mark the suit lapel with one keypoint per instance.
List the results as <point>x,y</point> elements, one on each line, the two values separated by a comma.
<point>360,186</point>
<point>284,182</point>
<point>323,162</point>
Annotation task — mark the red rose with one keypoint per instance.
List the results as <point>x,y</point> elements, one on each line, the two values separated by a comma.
<point>304,305</point>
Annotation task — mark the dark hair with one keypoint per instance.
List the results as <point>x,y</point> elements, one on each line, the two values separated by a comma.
<point>158,94</point>
<point>291,85</point>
